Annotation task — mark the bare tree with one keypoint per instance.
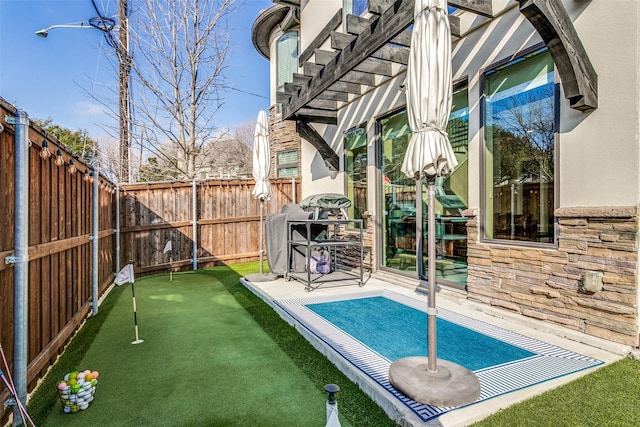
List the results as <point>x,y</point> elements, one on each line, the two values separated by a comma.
<point>179,50</point>
<point>244,133</point>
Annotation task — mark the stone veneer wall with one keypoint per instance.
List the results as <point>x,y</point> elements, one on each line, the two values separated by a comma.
<point>548,284</point>
<point>350,256</point>
<point>282,137</point>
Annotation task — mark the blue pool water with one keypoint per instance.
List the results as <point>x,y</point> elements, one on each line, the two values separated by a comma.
<point>395,331</point>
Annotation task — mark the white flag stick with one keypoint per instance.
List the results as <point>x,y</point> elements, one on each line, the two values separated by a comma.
<point>126,275</point>
<point>135,317</point>
<point>168,248</point>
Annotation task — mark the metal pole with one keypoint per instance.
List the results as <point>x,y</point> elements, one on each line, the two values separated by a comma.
<point>94,242</point>
<point>261,235</point>
<point>195,226</point>
<point>293,190</point>
<point>117,229</point>
<point>432,365</point>
<point>21,259</point>
<point>124,61</point>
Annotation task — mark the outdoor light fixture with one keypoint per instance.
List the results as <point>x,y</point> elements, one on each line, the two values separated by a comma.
<point>72,167</point>
<point>59,159</point>
<point>44,152</point>
<point>86,175</point>
<point>91,178</point>
<point>101,23</point>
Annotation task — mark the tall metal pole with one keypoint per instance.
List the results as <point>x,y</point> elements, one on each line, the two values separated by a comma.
<point>124,76</point>
<point>432,365</point>
<point>94,242</point>
<point>194,202</point>
<point>21,260</point>
<point>261,235</point>
<point>117,229</point>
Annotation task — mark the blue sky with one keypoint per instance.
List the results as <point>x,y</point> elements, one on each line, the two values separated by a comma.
<point>48,78</point>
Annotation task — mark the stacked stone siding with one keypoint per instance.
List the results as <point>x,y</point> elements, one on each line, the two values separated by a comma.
<point>350,256</point>
<point>549,284</point>
<point>282,137</point>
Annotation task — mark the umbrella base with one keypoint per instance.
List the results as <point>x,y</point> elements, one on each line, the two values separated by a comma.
<point>450,385</point>
<point>261,277</point>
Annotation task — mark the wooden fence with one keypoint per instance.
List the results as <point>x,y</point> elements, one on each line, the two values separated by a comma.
<point>226,222</point>
<point>60,262</point>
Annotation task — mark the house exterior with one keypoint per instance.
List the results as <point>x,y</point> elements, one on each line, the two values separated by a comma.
<point>540,217</point>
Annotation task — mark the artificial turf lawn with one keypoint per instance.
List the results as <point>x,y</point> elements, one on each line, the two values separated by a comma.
<point>609,396</point>
<point>205,361</point>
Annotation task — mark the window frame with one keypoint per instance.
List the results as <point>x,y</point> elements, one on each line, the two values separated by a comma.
<point>280,166</point>
<point>482,232</point>
<point>295,60</point>
<point>362,126</point>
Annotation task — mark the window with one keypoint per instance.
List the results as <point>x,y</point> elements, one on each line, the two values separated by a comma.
<point>287,164</point>
<point>398,195</point>
<point>287,57</point>
<point>355,142</point>
<point>520,100</point>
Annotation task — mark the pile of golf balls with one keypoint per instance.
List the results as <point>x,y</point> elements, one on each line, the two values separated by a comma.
<point>77,389</point>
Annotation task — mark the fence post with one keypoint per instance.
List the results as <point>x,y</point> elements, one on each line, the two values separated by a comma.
<point>293,190</point>
<point>195,225</point>
<point>21,259</point>
<point>117,228</point>
<point>94,241</point>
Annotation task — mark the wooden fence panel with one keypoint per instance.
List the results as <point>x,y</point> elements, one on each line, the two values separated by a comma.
<point>59,288</point>
<point>228,221</point>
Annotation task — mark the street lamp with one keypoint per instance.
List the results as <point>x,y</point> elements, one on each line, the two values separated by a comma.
<point>98,23</point>
<point>121,47</point>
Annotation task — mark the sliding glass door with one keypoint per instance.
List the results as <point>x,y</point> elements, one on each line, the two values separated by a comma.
<point>400,244</point>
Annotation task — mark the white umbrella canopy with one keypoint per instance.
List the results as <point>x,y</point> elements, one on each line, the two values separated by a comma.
<point>429,90</point>
<point>261,158</point>
<point>429,153</point>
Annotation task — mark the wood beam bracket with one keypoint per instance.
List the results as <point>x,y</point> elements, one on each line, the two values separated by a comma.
<point>579,79</point>
<point>330,157</point>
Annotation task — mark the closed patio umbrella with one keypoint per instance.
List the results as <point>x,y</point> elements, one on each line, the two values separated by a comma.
<point>429,154</point>
<point>262,189</point>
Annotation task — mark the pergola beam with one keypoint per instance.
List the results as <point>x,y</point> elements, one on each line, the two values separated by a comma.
<point>388,25</point>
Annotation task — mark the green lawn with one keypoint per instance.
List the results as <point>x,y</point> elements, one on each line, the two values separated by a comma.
<point>216,355</point>
<point>213,355</point>
<point>607,397</point>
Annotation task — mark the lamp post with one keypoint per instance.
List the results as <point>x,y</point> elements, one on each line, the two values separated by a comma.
<point>106,24</point>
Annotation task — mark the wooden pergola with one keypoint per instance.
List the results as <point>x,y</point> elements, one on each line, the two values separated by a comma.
<point>367,54</point>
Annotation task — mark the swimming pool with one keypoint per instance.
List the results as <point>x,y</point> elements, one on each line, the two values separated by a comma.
<point>395,331</point>
<point>369,330</point>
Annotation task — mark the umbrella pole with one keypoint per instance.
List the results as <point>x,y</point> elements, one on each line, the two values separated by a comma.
<point>261,246</point>
<point>432,364</point>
